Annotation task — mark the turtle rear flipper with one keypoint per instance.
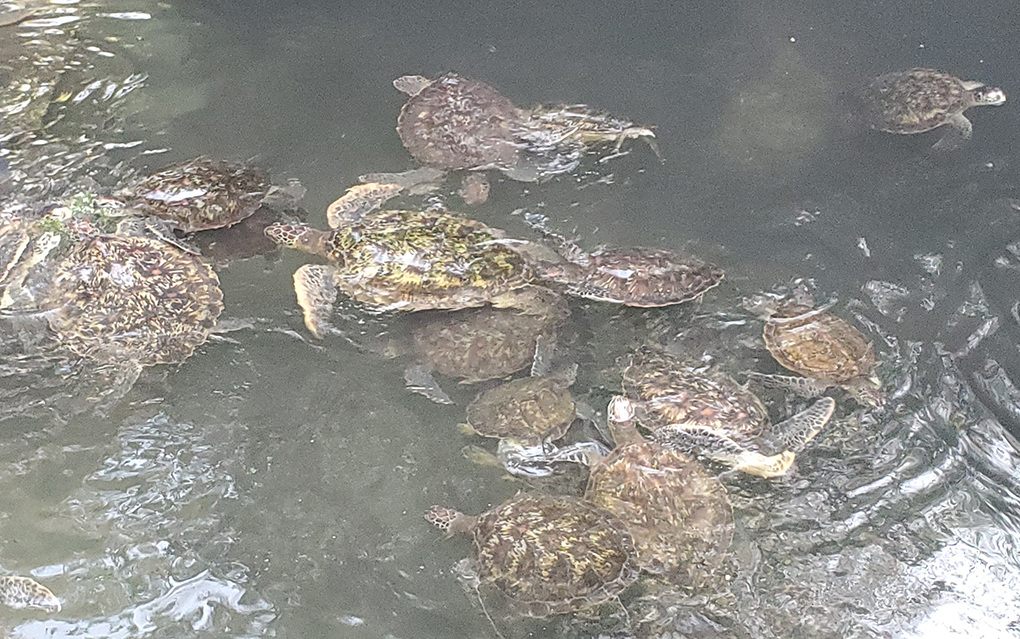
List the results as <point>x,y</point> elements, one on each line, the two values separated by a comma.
<point>795,433</point>
<point>316,289</point>
<point>698,440</point>
<point>799,385</point>
<point>22,592</point>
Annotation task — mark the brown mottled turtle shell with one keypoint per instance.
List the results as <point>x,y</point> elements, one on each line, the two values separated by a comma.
<point>818,344</point>
<point>486,343</point>
<point>688,396</point>
<point>640,276</point>
<point>554,554</point>
<point>202,193</point>
<point>678,515</point>
<point>915,101</point>
<point>133,299</point>
<point>457,123</point>
<point>530,410</point>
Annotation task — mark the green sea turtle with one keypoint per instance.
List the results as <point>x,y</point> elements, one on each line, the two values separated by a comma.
<point>678,515</point>
<point>709,414</point>
<point>22,592</point>
<point>920,100</point>
<point>825,349</point>
<point>547,554</point>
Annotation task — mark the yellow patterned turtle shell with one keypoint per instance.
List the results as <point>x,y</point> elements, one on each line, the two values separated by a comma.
<point>548,554</point>
<point>529,410</point>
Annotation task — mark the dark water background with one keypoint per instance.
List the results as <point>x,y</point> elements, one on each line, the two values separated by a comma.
<point>272,486</point>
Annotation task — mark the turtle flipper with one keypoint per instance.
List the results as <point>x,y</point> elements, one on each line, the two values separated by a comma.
<point>587,453</point>
<point>957,132</point>
<point>418,379</point>
<point>358,201</point>
<point>698,440</point>
<point>22,592</point>
<point>316,289</point>
<point>799,385</point>
<point>795,433</point>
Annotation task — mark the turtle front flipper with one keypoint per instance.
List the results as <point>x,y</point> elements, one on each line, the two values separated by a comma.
<point>794,434</point>
<point>699,440</point>
<point>358,201</point>
<point>958,130</point>
<point>418,379</point>
<point>22,592</point>
<point>799,385</point>
<point>316,289</point>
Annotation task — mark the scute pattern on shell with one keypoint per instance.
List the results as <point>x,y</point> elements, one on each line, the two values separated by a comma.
<point>133,298</point>
<point>530,410</point>
<point>818,344</point>
<point>554,554</point>
<point>202,193</point>
<point>688,396</point>
<point>914,101</point>
<point>678,515</point>
<point>457,123</point>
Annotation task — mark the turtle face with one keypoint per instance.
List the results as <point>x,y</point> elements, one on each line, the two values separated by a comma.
<point>989,96</point>
<point>620,410</point>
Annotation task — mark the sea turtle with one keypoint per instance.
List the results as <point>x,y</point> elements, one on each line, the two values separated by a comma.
<point>920,100</point>
<point>547,554</point>
<point>708,413</point>
<point>22,592</point>
<point>678,515</point>
<point>199,194</point>
<point>825,349</point>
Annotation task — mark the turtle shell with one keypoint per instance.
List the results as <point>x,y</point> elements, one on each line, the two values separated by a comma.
<point>457,123</point>
<point>678,515</point>
<point>689,396</point>
<point>915,101</point>
<point>644,277</point>
<point>817,344</point>
<point>416,260</point>
<point>530,410</point>
<point>486,343</point>
<point>133,299</point>
<point>202,193</point>
<point>554,554</point>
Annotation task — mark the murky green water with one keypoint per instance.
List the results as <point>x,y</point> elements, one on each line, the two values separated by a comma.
<point>273,485</point>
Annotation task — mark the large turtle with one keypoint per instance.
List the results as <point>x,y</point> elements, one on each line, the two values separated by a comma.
<point>709,414</point>
<point>547,554</point>
<point>23,592</point>
<point>678,515</point>
<point>825,349</point>
<point>920,100</point>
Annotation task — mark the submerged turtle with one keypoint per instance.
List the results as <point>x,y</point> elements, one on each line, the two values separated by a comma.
<point>709,414</point>
<point>200,194</point>
<point>920,100</point>
<point>23,592</point>
<point>678,515</point>
<point>547,554</point>
<point>825,349</point>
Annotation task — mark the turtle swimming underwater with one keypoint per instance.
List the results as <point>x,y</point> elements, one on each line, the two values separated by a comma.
<point>678,515</point>
<point>709,414</point>
<point>920,100</point>
<point>23,592</point>
<point>546,554</point>
<point>825,349</point>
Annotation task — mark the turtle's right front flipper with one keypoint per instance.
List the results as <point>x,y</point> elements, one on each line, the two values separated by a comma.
<point>316,288</point>
<point>22,592</point>
<point>698,440</point>
<point>795,433</point>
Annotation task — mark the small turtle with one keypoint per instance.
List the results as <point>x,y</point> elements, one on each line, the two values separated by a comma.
<point>23,592</point>
<point>920,100</point>
<point>678,515</point>
<point>823,348</point>
<point>547,554</point>
<point>200,194</point>
<point>709,414</point>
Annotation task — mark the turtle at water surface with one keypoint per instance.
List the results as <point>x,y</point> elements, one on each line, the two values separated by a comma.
<point>920,100</point>
<point>23,592</point>
<point>678,515</point>
<point>825,349</point>
<point>547,554</point>
<point>709,414</point>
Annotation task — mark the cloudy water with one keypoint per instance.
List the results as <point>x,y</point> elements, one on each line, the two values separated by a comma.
<point>273,484</point>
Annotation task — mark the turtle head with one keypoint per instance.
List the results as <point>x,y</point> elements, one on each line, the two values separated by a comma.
<point>449,521</point>
<point>989,96</point>
<point>299,236</point>
<point>411,84</point>
<point>620,417</point>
